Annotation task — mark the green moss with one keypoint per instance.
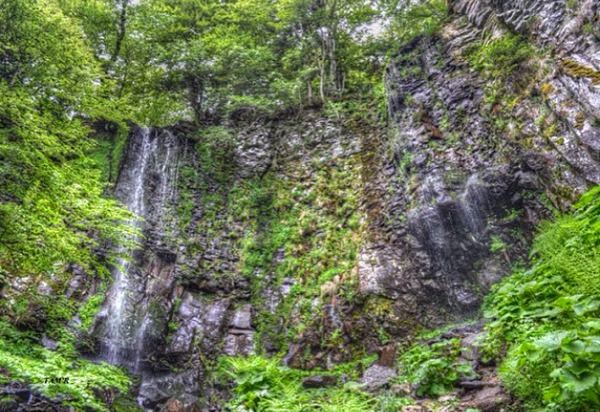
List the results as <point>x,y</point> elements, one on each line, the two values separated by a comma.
<point>497,245</point>
<point>588,28</point>
<point>312,225</point>
<point>575,69</point>
<point>579,120</point>
<point>187,185</point>
<point>546,89</point>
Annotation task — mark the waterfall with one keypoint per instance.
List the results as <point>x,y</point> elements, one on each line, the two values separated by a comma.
<point>147,187</point>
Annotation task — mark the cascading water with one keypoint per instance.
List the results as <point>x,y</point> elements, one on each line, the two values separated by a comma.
<point>147,186</point>
<point>117,325</point>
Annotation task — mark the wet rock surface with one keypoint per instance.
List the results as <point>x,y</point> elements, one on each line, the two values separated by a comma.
<point>451,202</point>
<point>319,381</point>
<point>180,389</point>
<point>452,184</point>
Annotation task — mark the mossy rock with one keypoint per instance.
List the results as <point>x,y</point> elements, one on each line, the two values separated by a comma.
<point>577,70</point>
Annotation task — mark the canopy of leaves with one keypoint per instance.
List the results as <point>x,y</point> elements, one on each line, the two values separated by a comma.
<point>52,208</point>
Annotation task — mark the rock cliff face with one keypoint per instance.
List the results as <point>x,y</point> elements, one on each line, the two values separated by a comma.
<point>181,298</point>
<point>304,237</point>
<point>464,172</point>
<point>154,320</point>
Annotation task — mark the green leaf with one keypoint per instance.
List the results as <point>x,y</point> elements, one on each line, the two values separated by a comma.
<point>551,341</point>
<point>585,307</point>
<point>592,344</point>
<point>574,346</point>
<point>577,385</point>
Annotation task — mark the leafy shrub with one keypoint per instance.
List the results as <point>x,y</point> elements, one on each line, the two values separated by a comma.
<point>262,384</point>
<point>52,207</point>
<point>500,57</point>
<point>434,369</point>
<point>545,318</point>
<point>89,310</point>
<point>419,18</point>
<point>26,361</point>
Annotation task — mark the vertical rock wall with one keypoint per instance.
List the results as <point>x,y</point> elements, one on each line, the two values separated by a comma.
<point>256,249</point>
<point>464,177</point>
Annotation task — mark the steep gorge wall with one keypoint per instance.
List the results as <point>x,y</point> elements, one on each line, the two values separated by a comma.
<point>319,240</point>
<point>242,226</point>
<point>467,174</point>
<point>322,241</point>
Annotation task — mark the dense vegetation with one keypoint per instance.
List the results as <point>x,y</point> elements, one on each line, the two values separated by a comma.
<point>59,374</point>
<point>68,64</point>
<point>542,329</point>
<point>72,70</point>
<point>544,319</point>
<point>264,385</point>
<point>75,73</point>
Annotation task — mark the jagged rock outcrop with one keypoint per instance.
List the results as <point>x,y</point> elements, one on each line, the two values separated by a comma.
<point>450,194</point>
<point>461,194</point>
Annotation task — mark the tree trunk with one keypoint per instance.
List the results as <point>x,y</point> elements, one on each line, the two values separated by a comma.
<point>121,28</point>
<point>196,96</point>
<point>322,73</point>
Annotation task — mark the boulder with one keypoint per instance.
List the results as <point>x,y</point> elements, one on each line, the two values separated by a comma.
<point>377,376</point>
<point>319,381</point>
<point>489,399</point>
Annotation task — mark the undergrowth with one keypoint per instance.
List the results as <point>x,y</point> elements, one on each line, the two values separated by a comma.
<point>544,320</point>
<point>262,384</point>
<point>21,359</point>
<point>434,369</point>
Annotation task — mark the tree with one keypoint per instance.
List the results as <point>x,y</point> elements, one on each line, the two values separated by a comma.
<point>52,209</point>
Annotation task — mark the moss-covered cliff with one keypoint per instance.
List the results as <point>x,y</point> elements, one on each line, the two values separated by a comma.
<point>308,254</point>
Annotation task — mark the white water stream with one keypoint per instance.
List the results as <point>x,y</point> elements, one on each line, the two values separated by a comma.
<point>146,185</point>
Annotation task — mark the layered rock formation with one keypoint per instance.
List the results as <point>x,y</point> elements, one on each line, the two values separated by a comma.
<point>465,172</point>
<point>325,238</point>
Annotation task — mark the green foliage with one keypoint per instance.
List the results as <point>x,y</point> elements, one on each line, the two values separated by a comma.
<point>53,212</point>
<point>262,384</point>
<point>418,19</point>
<point>546,317</point>
<point>52,209</point>
<point>500,57</point>
<point>434,368</point>
<point>497,245</point>
<point>313,224</point>
<point>215,153</point>
<point>91,307</point>
<point>26,361</point>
